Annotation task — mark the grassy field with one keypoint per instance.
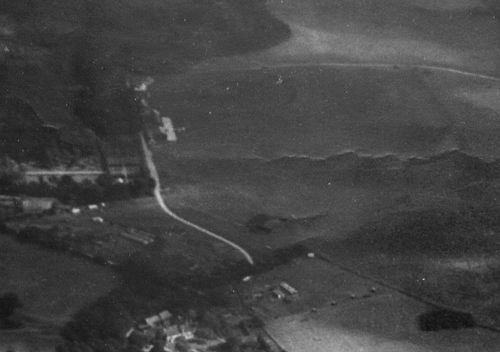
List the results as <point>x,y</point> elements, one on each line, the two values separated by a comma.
<point>461,34</point>
<point>336,310</point>
<point>51,286</point>
<point>321,111</point>
<point>447,256</point>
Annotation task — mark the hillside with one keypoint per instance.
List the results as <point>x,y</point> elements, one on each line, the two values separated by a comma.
<point>65,63</point>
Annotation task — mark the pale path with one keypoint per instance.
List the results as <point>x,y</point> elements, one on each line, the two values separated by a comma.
<point>148,155</point>
<point>254,65</point>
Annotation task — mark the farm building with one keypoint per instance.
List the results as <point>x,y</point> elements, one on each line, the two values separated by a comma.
<point>12,206</point>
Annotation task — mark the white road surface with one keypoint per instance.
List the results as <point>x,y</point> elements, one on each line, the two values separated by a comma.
<point>148,155</point>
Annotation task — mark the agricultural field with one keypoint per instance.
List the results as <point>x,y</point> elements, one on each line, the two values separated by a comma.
<point>52,287</point>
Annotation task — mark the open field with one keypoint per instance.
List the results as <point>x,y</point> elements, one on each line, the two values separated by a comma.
<point>447,257</point>
<point>51,286</point>
<point>460,34</point>
<point>322,154</point>
<point>363,316</point>
<point>322,111</point>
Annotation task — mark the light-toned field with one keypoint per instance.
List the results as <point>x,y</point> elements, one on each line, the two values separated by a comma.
<point>461,34</point>
<point>384,320</point>
<point>383,323</point>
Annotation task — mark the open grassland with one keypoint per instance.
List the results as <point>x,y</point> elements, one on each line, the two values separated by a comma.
<point>335,310</point>
<point>322,111</point>
<point>460,34</point>
<point>51,286</point>
<point>449,257</point>
<point>56,286</point>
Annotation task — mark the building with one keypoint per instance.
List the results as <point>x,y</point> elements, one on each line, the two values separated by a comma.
<point>35,205</point>
<point>288,289</point>
<point>124,159</point>
<point>160,319</point>
<point>53,176</point>
<point>10,206</point>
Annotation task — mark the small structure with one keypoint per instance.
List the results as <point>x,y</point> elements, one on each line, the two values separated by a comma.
<point>147,348</point>
<point>98,219</point>
<point>138,236</point>
<point>288,289</point>
<point>277,293</point>
<point>143,85</point>
<point>10,206</point>
<point>124,170</point>
<point>159,326</point>
<point>161,319</point>
<point>34,205</point>
<point>165,316</point>
<point>167,128</point>
<point>178,331</point>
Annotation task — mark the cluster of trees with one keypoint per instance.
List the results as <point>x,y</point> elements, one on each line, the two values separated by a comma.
<point>71,192</point>
<point>10,173</point>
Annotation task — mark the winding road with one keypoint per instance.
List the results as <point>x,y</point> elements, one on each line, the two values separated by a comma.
<point>148,155</point>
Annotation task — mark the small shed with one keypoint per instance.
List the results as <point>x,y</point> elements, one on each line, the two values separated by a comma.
<point>288,289</point>
<point>33,205</point>
<point>277,293</point>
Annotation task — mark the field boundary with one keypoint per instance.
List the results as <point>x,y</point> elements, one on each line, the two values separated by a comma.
<point>443,69</point>
<point>328,259</point>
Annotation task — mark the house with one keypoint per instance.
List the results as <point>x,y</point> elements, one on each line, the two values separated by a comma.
<point>124,158</point>
<point>10,206</point>
<point>160,319</point>
<point>177,331</point>
<point>165,315</point>
<point>173,333</point>
<point>125,168</point>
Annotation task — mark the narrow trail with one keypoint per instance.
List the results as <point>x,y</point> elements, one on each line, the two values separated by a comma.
<point>260,65</point>
<point>148,155</point>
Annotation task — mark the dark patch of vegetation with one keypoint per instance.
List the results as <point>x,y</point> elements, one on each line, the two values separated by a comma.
<point>259,224</point>
<point>19,10</point>
<point>149,287</point>
<point>444,319</point>
<point>440,232</point>
<point>80,193</point>
<point>9,302</point>
<point>70,63</point>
